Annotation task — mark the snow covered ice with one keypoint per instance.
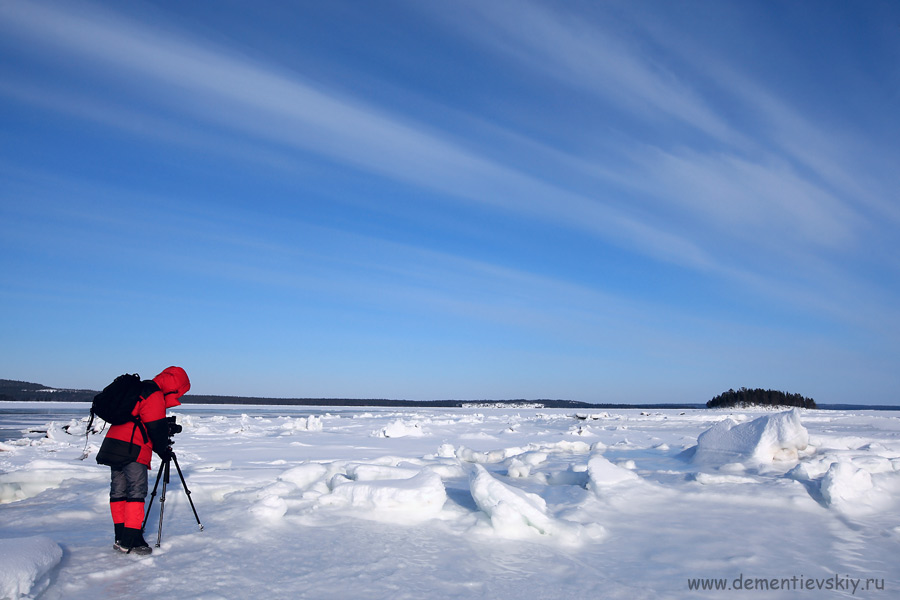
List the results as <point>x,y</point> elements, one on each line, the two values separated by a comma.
<point>298,502</point>
<point>25,564</point>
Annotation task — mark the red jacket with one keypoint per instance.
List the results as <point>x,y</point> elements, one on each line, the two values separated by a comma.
<point>130,442</point>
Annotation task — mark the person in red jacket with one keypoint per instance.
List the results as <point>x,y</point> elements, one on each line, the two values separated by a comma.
<point>127,449</point>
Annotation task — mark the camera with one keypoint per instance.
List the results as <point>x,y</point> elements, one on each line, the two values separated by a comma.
<point>173,426</point>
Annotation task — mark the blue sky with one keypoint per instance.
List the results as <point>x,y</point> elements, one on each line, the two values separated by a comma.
<point>598,201</point>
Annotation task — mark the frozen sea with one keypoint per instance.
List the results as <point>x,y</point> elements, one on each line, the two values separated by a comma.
<point>300,502</point>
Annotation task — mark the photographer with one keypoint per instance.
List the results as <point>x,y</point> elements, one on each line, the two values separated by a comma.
<point>127,450</point>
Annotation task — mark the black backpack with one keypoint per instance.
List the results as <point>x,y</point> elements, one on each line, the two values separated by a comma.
<point>117,400</point>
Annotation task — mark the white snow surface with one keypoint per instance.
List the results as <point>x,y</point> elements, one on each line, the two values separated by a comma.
<point>300,502</point>
<point>25,564</point>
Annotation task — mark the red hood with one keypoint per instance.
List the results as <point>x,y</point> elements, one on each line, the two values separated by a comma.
<point>174,384</point>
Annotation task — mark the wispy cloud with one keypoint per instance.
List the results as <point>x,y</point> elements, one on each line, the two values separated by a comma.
<point>785,187</point>
<point>750,199</point>
<point>835,155</point>
<point>582,54</point>
<point>336,267</point>
<point>687,201</point>
<point>843,166</point>
<point>215,86</point>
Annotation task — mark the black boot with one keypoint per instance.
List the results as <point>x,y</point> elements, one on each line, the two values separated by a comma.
<point>120,532</point>
<point>133,542</point>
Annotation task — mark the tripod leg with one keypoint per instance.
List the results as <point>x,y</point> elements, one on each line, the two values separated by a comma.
<point>162,502</point>
<point>152,496</point>
<point>187,491</point>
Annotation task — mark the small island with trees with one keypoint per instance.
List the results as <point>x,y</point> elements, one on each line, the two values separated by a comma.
<point>759,397</point>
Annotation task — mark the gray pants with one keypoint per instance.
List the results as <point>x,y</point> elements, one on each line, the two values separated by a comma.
<point>129,483</point>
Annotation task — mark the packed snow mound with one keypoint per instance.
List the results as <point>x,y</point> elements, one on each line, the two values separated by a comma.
<point>368,472</point>
<point>844,483</point>
<point>488,457</point>
<point>521,466</point>
<point>401,428</point>
<point>770,438</point>
<point>517,514</point>
<point>411,499</point>
<point>25,564</point>
<point>270,507</point>
<point>854,490</point>
<point>304,475</point>
<point>513,512</point>
<point>310,423</point>
<point>603,473</point>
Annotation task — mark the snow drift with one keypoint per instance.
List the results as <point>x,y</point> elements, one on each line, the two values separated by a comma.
<point>852,489</point>
<point>767,439</point>
<point>517,514</point>
<point>410,499</point>
<point>602,473</point>
<point>844,483</point>
<point>26,564</point>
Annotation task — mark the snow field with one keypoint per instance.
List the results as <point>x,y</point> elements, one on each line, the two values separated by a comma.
<point>26,564</point>
<point>466,504</point>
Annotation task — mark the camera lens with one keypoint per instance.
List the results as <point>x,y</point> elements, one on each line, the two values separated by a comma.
<point>173,426</point>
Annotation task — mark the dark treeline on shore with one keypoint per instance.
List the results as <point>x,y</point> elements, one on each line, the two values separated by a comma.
<point>32,392</point>
<point>21,391</point>
<point>376,402</point>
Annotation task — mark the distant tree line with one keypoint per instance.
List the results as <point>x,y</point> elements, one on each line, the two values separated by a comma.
<point>11,390</point>
<point>759,397</point>
<point>373,402</point>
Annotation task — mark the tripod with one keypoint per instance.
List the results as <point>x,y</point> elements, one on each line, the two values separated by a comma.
<point>164,474</point>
